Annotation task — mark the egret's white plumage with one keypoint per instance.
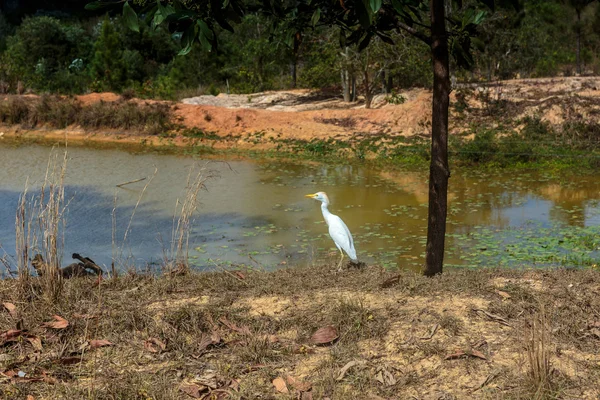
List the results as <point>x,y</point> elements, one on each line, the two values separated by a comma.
<point>338,230</point>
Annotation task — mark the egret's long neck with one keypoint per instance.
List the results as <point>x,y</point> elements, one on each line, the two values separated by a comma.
<point>325,211</point>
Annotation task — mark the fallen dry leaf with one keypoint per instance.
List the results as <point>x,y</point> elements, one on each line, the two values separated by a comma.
<point>154,345</point>
<point>494,317</point>
<point>239,275</point>
<point>390,282</point>
<point>595,332</point>
<point>194,391</point>
<point>35,341</point>
<point>58,323</point>
<point>239,329</point>
<point>385,377</point>
<point>10,335</point>
<point>306,396</point>
<point>280,385</point>
<point>297,384</point>
<point>70,360</point>
<point>209,340</point>
<point>346,367</point>
<point>431,332</point>
<point>468,353</point>
<point>504,295</point>
<point>94,344</point>
<point>324,335</point>
<point>30,397</point>
<point>11,308</point>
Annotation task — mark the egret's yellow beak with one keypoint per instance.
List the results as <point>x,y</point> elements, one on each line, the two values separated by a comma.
<point>312,196</point>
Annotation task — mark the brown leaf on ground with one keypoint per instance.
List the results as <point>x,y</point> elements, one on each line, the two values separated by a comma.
<point>468,353</point>
<point>10,335</point>
<point>30,397</point>
<point>346,367</point>
<point>239,329</point>
<point>385,377</point>
<point>431,332</point>
<point>280,385</point>
<point>306,396</point>
<point>154,345</point>
<point>17,376</point>
<point>491,316</point>
<point>58,323</point>
<point>239,275</point>
<point>235,384</point>
<point>297,384</point>
<point>195,391</point>
<point>35,341</point>
<point>595,332</point>
<point>504,295</point>
<point>11,308</point>
<point>394,280</point>
<point>94,344</point>
<point>207,340</point>
<point>324,335</point>
<point>70,360</point>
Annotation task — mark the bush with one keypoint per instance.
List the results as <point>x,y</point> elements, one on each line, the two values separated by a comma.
<point>41,52</point>
<point>61,112</point>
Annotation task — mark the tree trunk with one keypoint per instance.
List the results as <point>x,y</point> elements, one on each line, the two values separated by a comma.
<point>368,93</point>
<point>346,77</point>
<point>345,84</point>
<point>294,72</point>
<point>297,41</point>
<point>439,171</point>
<point>578,51</point>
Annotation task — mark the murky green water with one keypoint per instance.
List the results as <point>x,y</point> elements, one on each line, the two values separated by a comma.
<point>255,213</point>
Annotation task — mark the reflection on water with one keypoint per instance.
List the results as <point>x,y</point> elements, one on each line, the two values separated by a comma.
<point>255,212</point>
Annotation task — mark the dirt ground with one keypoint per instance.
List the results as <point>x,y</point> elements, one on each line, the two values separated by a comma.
<point>306,115</point>
<point>306,333</point>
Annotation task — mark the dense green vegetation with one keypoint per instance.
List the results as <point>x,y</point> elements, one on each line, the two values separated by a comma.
<point>70,50</point>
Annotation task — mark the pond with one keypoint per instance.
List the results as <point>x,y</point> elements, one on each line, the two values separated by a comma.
<point>254,213</point>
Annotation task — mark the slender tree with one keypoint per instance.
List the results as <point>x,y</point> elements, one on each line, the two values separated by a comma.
<point>579,6</point>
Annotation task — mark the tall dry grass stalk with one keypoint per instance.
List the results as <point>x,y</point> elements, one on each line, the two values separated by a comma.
<point>119,261</point>
<point>538,356</point>
<point>23,239</point>
<point>39,228</point>
<point>176,259</point>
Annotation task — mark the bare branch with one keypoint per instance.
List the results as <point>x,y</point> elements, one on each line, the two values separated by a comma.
<point>416,33</point>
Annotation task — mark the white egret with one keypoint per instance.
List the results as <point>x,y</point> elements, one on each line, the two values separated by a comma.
<point>338,230</point>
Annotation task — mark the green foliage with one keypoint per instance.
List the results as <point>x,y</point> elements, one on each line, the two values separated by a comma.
<point>44,50</point>
<point>108,67</point>
<point>395,98</point>
<point>572,144</point>
<point>61,54</point>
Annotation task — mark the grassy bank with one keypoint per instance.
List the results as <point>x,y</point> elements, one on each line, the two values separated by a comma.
<point>241,335</point>
<point>61,112</point>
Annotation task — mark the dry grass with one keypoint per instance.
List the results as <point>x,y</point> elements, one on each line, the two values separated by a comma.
<point>176,258</point>
<point>39,230</point>
<point>61,112</point>
<point>238,332</point>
